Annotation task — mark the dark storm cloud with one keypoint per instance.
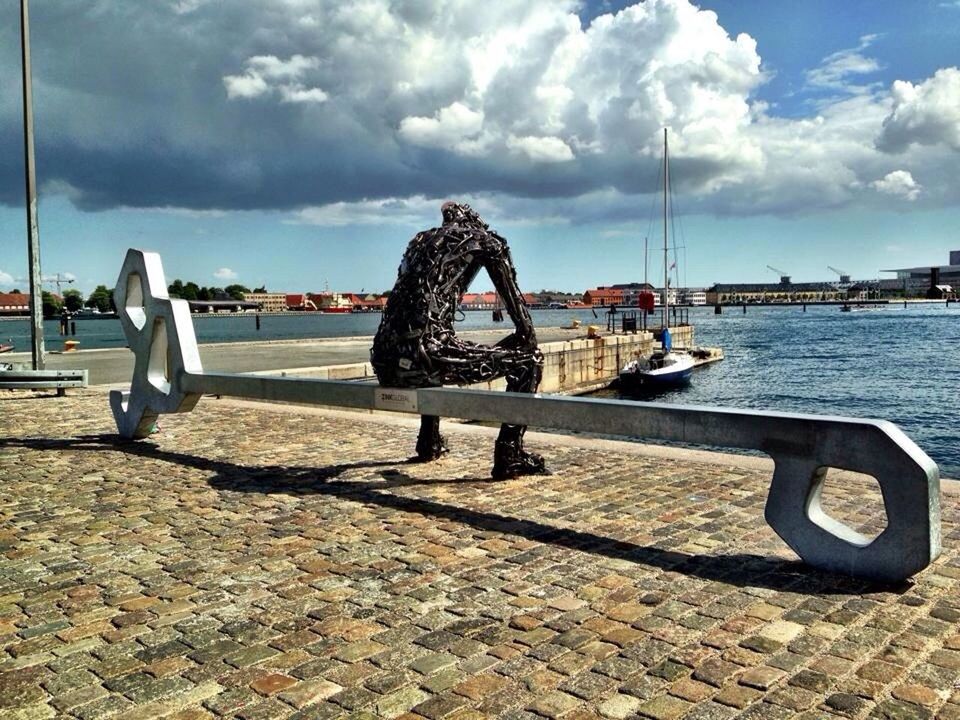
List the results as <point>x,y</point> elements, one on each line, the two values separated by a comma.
<point>284,104</point>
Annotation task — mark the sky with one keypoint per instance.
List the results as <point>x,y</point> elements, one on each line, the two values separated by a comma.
<point>300,144</point>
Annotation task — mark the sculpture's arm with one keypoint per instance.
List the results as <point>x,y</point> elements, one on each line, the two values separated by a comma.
<point>499,266</point>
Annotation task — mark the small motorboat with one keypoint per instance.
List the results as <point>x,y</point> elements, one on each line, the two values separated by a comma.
<point>6,348</point>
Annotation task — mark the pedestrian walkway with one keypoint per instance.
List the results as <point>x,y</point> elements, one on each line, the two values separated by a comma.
<point>256,561</point>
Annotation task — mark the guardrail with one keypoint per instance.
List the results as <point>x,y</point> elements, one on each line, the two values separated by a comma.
<point>168,377</point>
<point>42,379</point>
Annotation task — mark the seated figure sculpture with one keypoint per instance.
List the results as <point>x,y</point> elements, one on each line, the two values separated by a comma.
<point>416,345</point>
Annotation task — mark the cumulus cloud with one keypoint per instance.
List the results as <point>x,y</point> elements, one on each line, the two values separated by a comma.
<point>6,279</point>
<point>266,74</point>
<point>541,149</point>
<point>899,183</point>
<point>225,274</point>
<point>454,127</point>
<point>926,114</point>
<point>338,111</point>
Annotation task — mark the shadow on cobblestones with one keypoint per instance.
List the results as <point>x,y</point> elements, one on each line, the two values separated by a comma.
<point>740,569</point>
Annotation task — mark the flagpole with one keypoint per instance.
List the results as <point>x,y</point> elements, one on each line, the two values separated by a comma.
<point>30,176</point>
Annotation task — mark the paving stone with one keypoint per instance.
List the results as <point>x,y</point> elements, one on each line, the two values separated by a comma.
<point>738,696</point>
<point>442,680</point>
<point>946,658</point>
<point>588,685</point>
<point>896,710</point>
<point>715,672</point>
<point>480,686</point>
<point>554,704</point>
<point>810,680</point>
<point>691,690</point>
<point>400,701</point>
<point>793,698</point>
<point>916,694</point>
<point>664,707</point>
<point>272,683</point>
<point>880,671</point>
<point>309,692</point>
<point>250,656</point>
<point>619,707</point>
<point>575,638</point>
<point>845,703</point>
<point>355,698</point>
<point>440,706</point>
<point>432,663</point>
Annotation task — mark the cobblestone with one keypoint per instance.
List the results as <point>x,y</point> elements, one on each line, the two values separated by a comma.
<point>255,561</point>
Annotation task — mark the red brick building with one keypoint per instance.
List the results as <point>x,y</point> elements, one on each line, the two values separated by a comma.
<point>14,304</point>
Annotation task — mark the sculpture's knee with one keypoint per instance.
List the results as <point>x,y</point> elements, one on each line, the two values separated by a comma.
<point>526,373</point>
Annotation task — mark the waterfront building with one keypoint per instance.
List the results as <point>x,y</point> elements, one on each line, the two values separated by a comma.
<point>268,302</point>
<point>300,302</point>
<point>224,306</point>
<point>693,296</point>
<point>631,292</point>
<point>366,303</point>
<point>331,302</point>
<point>930,280</point>
<point>603,297</point>
<point>488,301</point>
<point>738,293</point>
<point>555,299</point>
<point>14,304</point>
<point>671,295</point>
<point>624,295</point>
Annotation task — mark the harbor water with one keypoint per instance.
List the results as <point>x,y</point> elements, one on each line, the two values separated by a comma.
<point>893,363</point>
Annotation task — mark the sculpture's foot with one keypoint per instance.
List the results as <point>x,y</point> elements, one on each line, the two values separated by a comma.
<point>430,448</point>
<point>510,461</point>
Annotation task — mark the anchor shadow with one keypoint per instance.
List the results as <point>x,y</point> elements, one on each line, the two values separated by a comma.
<point>737,569</point>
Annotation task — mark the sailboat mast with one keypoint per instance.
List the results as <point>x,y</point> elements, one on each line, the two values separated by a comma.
<point>666,190</point>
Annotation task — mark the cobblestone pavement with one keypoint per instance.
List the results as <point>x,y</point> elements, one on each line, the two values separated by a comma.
<point>254,563</point>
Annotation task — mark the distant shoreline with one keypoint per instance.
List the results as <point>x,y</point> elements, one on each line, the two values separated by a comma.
<point>598,309</point>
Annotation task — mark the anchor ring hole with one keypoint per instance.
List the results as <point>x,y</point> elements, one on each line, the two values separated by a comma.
<point>847,504</point>
<point>158,365</point>
<point>133,305</point>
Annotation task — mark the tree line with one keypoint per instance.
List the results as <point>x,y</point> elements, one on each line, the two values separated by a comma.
<point>101,299</point>
<point>191,291</point>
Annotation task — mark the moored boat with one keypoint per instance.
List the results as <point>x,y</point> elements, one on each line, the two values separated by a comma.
<point>667,367</point>
<point>659,371</point>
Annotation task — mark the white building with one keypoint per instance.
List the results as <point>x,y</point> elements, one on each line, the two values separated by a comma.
<point>692,296</point>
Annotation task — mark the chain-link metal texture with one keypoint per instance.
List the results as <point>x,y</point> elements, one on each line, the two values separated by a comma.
<point>416,344</point>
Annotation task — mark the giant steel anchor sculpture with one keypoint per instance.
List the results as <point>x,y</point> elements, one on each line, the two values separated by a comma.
<point>168,378</point>
<point>416,345</point>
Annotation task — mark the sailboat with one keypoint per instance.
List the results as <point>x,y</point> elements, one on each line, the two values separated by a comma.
<point>667,367</point>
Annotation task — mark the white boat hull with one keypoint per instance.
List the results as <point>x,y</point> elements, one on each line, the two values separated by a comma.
<point>671,370</point>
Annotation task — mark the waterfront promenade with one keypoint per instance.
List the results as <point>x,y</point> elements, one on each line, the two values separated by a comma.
<point>115,365</point>
<point>261,561</point>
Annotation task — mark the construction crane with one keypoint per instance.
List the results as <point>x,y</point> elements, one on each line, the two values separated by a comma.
<point>844,277</point>
<point>784,278</point>
<point>57,280</point>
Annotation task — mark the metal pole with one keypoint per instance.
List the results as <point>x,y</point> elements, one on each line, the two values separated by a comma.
<point>33,231</point>
<point>666,191</point>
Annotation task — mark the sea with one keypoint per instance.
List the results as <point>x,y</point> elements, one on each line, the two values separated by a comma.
<point>895,363</point>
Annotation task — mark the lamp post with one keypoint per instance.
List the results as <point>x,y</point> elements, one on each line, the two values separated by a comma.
<point>33,231</point>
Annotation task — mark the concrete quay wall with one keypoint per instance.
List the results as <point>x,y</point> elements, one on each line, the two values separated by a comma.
<point>570,366</point>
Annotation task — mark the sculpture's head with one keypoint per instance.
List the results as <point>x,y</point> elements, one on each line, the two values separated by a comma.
<point>460,214</point>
